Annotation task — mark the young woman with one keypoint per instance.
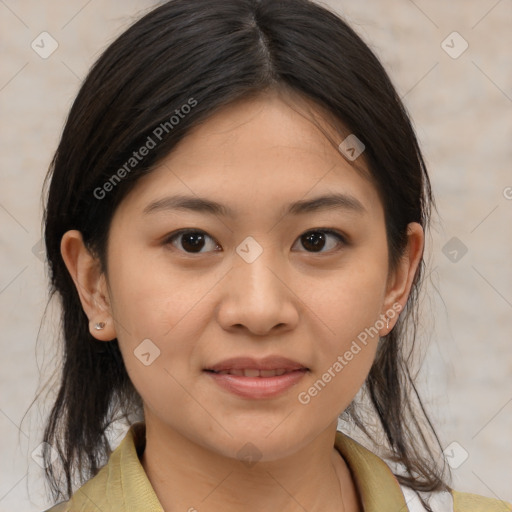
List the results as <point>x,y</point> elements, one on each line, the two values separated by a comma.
<point>235,227</point>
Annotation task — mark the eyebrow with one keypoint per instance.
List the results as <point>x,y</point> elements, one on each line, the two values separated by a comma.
<point>202,205</point>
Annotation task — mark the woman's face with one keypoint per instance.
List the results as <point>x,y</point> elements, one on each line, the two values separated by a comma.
<point>261,278</point>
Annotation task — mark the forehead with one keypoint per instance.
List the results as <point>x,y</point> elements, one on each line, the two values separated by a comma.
<point>259,153</point>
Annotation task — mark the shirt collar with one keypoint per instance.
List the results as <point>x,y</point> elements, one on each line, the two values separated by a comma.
<point>377,485</point>
<point>124,481</point>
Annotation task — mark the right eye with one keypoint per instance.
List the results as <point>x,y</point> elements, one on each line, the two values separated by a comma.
<point>190,240</point>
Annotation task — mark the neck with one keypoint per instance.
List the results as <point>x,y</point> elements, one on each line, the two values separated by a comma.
<point>186,476</point>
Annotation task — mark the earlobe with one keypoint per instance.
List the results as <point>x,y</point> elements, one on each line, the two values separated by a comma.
<point>90,282</point>
<point>102,330</point>
<point>400,283</point>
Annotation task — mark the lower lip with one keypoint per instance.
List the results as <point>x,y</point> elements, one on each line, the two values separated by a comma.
<point>258,387</point>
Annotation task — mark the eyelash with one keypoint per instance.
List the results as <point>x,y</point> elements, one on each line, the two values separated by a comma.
<point>329,231</point>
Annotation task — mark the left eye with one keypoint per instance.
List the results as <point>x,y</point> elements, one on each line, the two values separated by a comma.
<point>316,239</point>
<point>193,241</point>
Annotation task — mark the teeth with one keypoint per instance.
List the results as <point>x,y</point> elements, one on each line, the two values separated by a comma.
<point>252,372</point>
<point>272,373</point>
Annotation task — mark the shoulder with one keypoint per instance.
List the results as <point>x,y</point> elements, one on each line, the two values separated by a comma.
<point>466,502</point>
<point>452,501</point>
<point>121,484</point>
<point>374,474</point>
<point>460,502</point>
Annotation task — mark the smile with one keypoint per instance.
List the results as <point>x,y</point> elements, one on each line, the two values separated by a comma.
<point>254,384</point>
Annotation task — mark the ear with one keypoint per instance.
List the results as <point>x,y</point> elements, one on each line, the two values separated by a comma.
<point>401,279</point>
<point>90,283</point>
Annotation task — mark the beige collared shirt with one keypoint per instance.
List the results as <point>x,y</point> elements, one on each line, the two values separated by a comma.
<point>123,486</point>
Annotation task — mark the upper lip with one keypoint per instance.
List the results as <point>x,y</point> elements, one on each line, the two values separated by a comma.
<point>267,363</point>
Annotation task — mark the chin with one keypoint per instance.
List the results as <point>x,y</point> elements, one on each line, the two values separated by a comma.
<point>252,445</point>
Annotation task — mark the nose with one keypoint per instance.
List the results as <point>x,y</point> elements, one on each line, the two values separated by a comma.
<point>257,297</point>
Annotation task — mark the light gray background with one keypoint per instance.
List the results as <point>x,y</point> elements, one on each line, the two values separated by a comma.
<point>462,110</point>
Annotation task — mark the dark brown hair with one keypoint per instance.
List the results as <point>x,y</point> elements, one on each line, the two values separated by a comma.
<point>218,52</point>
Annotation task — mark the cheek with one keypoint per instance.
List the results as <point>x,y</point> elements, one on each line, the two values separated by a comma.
<point>349,301</point>
<point>348,307</point>
<point>151,297</point>
<point>154,327</point>
<point>169,307</point>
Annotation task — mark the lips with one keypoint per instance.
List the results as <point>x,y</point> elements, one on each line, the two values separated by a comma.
<point>249,367</point>
<point>257,379</point>
<point>254,372</point>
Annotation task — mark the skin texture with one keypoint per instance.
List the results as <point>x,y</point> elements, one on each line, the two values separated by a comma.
<point>201,308</point>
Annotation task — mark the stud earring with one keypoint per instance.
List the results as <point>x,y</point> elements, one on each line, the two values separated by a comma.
<point>387,323</point>
<point>99,325</point>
